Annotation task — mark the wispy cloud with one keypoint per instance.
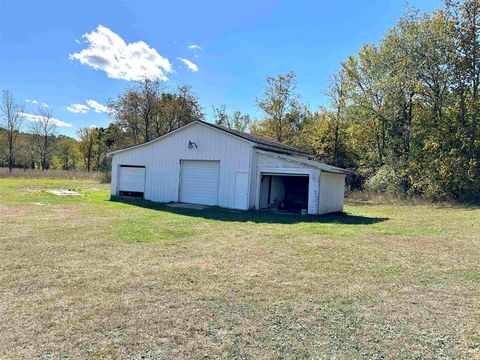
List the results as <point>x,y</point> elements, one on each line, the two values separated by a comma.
<point>99,108</point>
<point>78,108</point>
<point>108,52</point>
<point>78,41</point>
<point>189,64</point>
<point>90,104</point>
<point>35,102</point>
<point>194,47</point>
<point>39,118</point>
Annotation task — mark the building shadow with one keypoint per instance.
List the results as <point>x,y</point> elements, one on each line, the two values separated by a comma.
<point>221,214</point>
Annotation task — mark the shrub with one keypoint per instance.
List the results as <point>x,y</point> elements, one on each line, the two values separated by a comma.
<point>106,177</point>
<point>386,180</point>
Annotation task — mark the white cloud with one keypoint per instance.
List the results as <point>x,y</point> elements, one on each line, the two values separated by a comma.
<point>194,47</point>
<point>39,118</point>
<point>92,104</point>
<point>99,108</point>
<point>35,102</point>
<point>110,53</point>
<point>78,108</point>
<point>78,41</point>
<point>189,64</point>
<point>93,126</point>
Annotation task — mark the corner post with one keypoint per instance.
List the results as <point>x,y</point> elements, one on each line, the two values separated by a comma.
<point>313,191</point>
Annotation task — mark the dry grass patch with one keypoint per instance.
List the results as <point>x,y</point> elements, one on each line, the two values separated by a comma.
<point>86,277</point>
<point>53,174</point>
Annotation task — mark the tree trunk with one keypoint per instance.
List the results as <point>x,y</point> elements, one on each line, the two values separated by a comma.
<point>11,160</point>
<point>89,160</point>
<point>406,142</point>
<point>336,136</point>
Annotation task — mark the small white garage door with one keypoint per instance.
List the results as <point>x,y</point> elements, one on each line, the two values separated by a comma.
<point>132,179</point>
<point>199,182</point>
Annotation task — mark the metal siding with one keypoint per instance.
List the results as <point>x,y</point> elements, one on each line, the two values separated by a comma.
<point>332,192</point>
<point>113,182</point>
<point>254,187</point>
<point>162,159</point>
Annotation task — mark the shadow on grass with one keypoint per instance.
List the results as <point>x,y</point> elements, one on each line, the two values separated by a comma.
<point>220,214</point>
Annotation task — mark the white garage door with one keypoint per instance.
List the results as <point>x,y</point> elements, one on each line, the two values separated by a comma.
<point>199,181</point>
<point>132,179</point>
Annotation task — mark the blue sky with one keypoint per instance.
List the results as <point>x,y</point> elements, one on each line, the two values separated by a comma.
<point>46,56</point>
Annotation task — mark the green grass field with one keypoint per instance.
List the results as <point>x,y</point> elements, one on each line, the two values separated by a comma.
<point>86,277</point>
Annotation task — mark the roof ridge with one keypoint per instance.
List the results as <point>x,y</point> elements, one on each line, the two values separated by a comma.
<point>256,138</point>
<point>268,144</point>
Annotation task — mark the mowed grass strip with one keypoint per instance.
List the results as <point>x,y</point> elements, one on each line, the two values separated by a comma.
<point>87,277</point>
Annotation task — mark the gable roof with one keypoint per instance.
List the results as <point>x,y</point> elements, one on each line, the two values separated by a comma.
<point>261,142</point>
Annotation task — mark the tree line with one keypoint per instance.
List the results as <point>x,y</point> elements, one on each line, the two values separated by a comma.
<point>402,113</point>
<point>141,113</point>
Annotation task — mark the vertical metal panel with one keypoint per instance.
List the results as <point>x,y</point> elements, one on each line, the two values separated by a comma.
<point>332,192</point>
<point>162,159</point>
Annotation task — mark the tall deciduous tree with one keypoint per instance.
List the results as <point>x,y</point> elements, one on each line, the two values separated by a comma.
<point>413,104</point>
<point>236,121</point>
<point>43,130</point>
<point>284,114</point>
<point>176,109</point>
<point>67,153</point>
<point>366,74</point>
<point>11,119</point>
<point>147,111</point>
<point>338,94</point>
<point>136,109</point>
<point>88,145</point>
<point>467,68</point>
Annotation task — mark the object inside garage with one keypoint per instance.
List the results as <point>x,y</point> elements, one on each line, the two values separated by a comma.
<point>284,192</point>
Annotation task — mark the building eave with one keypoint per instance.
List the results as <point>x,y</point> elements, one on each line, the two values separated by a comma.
<point>308,162</point>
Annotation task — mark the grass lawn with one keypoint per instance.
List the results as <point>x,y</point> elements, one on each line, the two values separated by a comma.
<point>86,277</point>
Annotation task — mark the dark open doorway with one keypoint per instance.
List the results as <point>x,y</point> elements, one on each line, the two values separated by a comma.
<point>288,193</point>
<point>134,194</point>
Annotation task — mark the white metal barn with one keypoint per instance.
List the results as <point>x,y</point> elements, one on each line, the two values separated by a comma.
<point>203,163</point>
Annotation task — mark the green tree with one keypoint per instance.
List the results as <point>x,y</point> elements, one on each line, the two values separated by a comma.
<point>147,111</point>
<point>68,153</point>
<point>284,114</point>
<point>466,32</point>
<point>88,145</point>
<point>236,120</point>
